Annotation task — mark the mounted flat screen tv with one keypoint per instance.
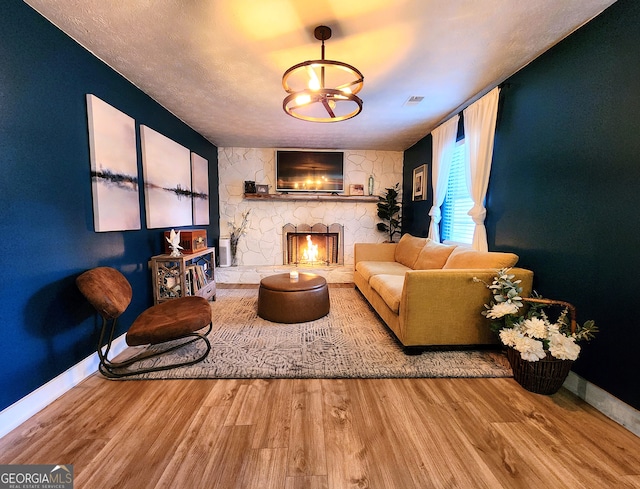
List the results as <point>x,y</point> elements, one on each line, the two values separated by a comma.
<point>310,171</point>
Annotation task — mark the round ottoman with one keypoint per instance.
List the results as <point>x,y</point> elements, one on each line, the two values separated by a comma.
<point>282,299</point>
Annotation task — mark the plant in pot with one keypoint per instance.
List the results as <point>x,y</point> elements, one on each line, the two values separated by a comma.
<point>389,212</point>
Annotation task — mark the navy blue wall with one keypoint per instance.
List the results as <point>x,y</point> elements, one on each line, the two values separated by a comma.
<point>415,215</point>
<point>46,220</point>
<point>563,192</point>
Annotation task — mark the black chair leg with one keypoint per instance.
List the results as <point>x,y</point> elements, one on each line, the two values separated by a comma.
<point>116,370</point>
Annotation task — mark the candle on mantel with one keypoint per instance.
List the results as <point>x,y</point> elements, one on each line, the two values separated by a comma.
<point>293,275</point>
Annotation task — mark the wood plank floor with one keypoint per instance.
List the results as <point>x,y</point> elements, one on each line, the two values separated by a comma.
<point>326,434</point>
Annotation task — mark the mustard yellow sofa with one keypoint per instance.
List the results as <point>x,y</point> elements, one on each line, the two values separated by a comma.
<point>425,291</point>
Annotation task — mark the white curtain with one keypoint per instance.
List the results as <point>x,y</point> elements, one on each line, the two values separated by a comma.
<point>444,142</point>
<point>479,131</point>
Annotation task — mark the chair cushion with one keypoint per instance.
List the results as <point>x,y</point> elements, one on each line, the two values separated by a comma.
<point>467,258</point>
<point>106,289</point>
<point>433,255</point>
<point>370,268</point>
<point>408,249</point>
<point>389,287</point>
<point>169,320</point>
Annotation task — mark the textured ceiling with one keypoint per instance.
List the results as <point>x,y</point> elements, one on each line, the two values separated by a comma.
<point>218,64</point>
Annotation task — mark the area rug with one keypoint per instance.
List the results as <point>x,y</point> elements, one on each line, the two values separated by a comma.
<point>350,342</point>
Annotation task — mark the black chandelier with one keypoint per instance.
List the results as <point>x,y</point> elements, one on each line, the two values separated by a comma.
<point>322,90</point>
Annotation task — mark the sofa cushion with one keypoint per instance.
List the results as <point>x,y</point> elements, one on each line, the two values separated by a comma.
<point>389,287</point>
<point>370,268</point>
<point>433,255</point>
<point>467,258</point>
<point>408,249</point>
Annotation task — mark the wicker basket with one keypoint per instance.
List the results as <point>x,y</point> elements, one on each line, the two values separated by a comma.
<point>547,375</point>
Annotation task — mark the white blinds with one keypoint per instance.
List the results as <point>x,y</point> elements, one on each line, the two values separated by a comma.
<point>457,224</point>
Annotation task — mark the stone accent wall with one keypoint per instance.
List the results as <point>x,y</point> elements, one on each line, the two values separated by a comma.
<point>262,244</point>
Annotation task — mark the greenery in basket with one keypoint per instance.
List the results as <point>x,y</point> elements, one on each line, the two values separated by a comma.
<point>530,331</point>
<point>388,211</point>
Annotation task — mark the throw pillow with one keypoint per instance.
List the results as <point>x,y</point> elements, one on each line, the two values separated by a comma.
<point>433,255</point>
<point>466,258</point>
<point>408,249</point>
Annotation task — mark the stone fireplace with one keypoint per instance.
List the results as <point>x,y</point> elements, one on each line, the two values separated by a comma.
<point>262,246</point>
<point>307,245</point>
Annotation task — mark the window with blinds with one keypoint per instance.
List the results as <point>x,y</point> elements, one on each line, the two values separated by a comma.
<point>456,225</point>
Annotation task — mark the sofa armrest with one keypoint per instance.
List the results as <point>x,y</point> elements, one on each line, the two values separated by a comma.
<point>374,252</point>
<point>445,300</point>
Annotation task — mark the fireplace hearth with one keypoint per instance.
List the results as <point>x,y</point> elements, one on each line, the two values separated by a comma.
<point>319,244</point>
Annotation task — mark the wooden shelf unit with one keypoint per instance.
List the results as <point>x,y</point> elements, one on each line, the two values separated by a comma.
<point>312,197</point>
<point>173,276</point>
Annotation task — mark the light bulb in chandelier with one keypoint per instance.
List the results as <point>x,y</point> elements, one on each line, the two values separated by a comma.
<point>303,99</point>
<point>314,81</point>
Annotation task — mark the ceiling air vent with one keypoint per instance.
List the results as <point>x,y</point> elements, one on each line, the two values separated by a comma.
<point>414,100</point>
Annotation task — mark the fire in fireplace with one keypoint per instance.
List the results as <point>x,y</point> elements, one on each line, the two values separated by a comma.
<point>313,245</point>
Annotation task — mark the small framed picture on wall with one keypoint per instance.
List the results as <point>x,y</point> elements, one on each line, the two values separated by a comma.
<point>420,182</point>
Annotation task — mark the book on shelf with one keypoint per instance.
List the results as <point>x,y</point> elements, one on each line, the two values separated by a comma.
<point>189,279</point>
<point>196,278</point>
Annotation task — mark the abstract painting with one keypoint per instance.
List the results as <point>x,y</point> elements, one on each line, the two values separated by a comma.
<point>167,180</point>
<point>200,189</point>
<point>114,167</point>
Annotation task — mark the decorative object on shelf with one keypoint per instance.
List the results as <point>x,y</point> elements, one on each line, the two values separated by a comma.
<point>371,182</point>
<point>191,240</point>
<point>249,187</point>
<point>174,243</point>
<point>322,90</point>
<point>541,352</point>
<point>262,189</point>
<point>389,212</point>
<point>419,183</point>
<point>235,232</point>
<point>356,189</point>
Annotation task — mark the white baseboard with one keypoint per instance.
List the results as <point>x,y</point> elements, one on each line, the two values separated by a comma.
<point>610,406</point>
<point>16,414</point>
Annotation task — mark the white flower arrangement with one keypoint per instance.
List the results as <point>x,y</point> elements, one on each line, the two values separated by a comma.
<point>532,333</point>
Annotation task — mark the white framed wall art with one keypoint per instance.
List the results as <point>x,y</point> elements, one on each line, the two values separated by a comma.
<point>114,167</point>
<point>200,189</point>
<point>167,180</point>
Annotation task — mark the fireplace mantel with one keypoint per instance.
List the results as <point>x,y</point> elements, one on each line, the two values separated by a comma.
<point>313,197</point>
